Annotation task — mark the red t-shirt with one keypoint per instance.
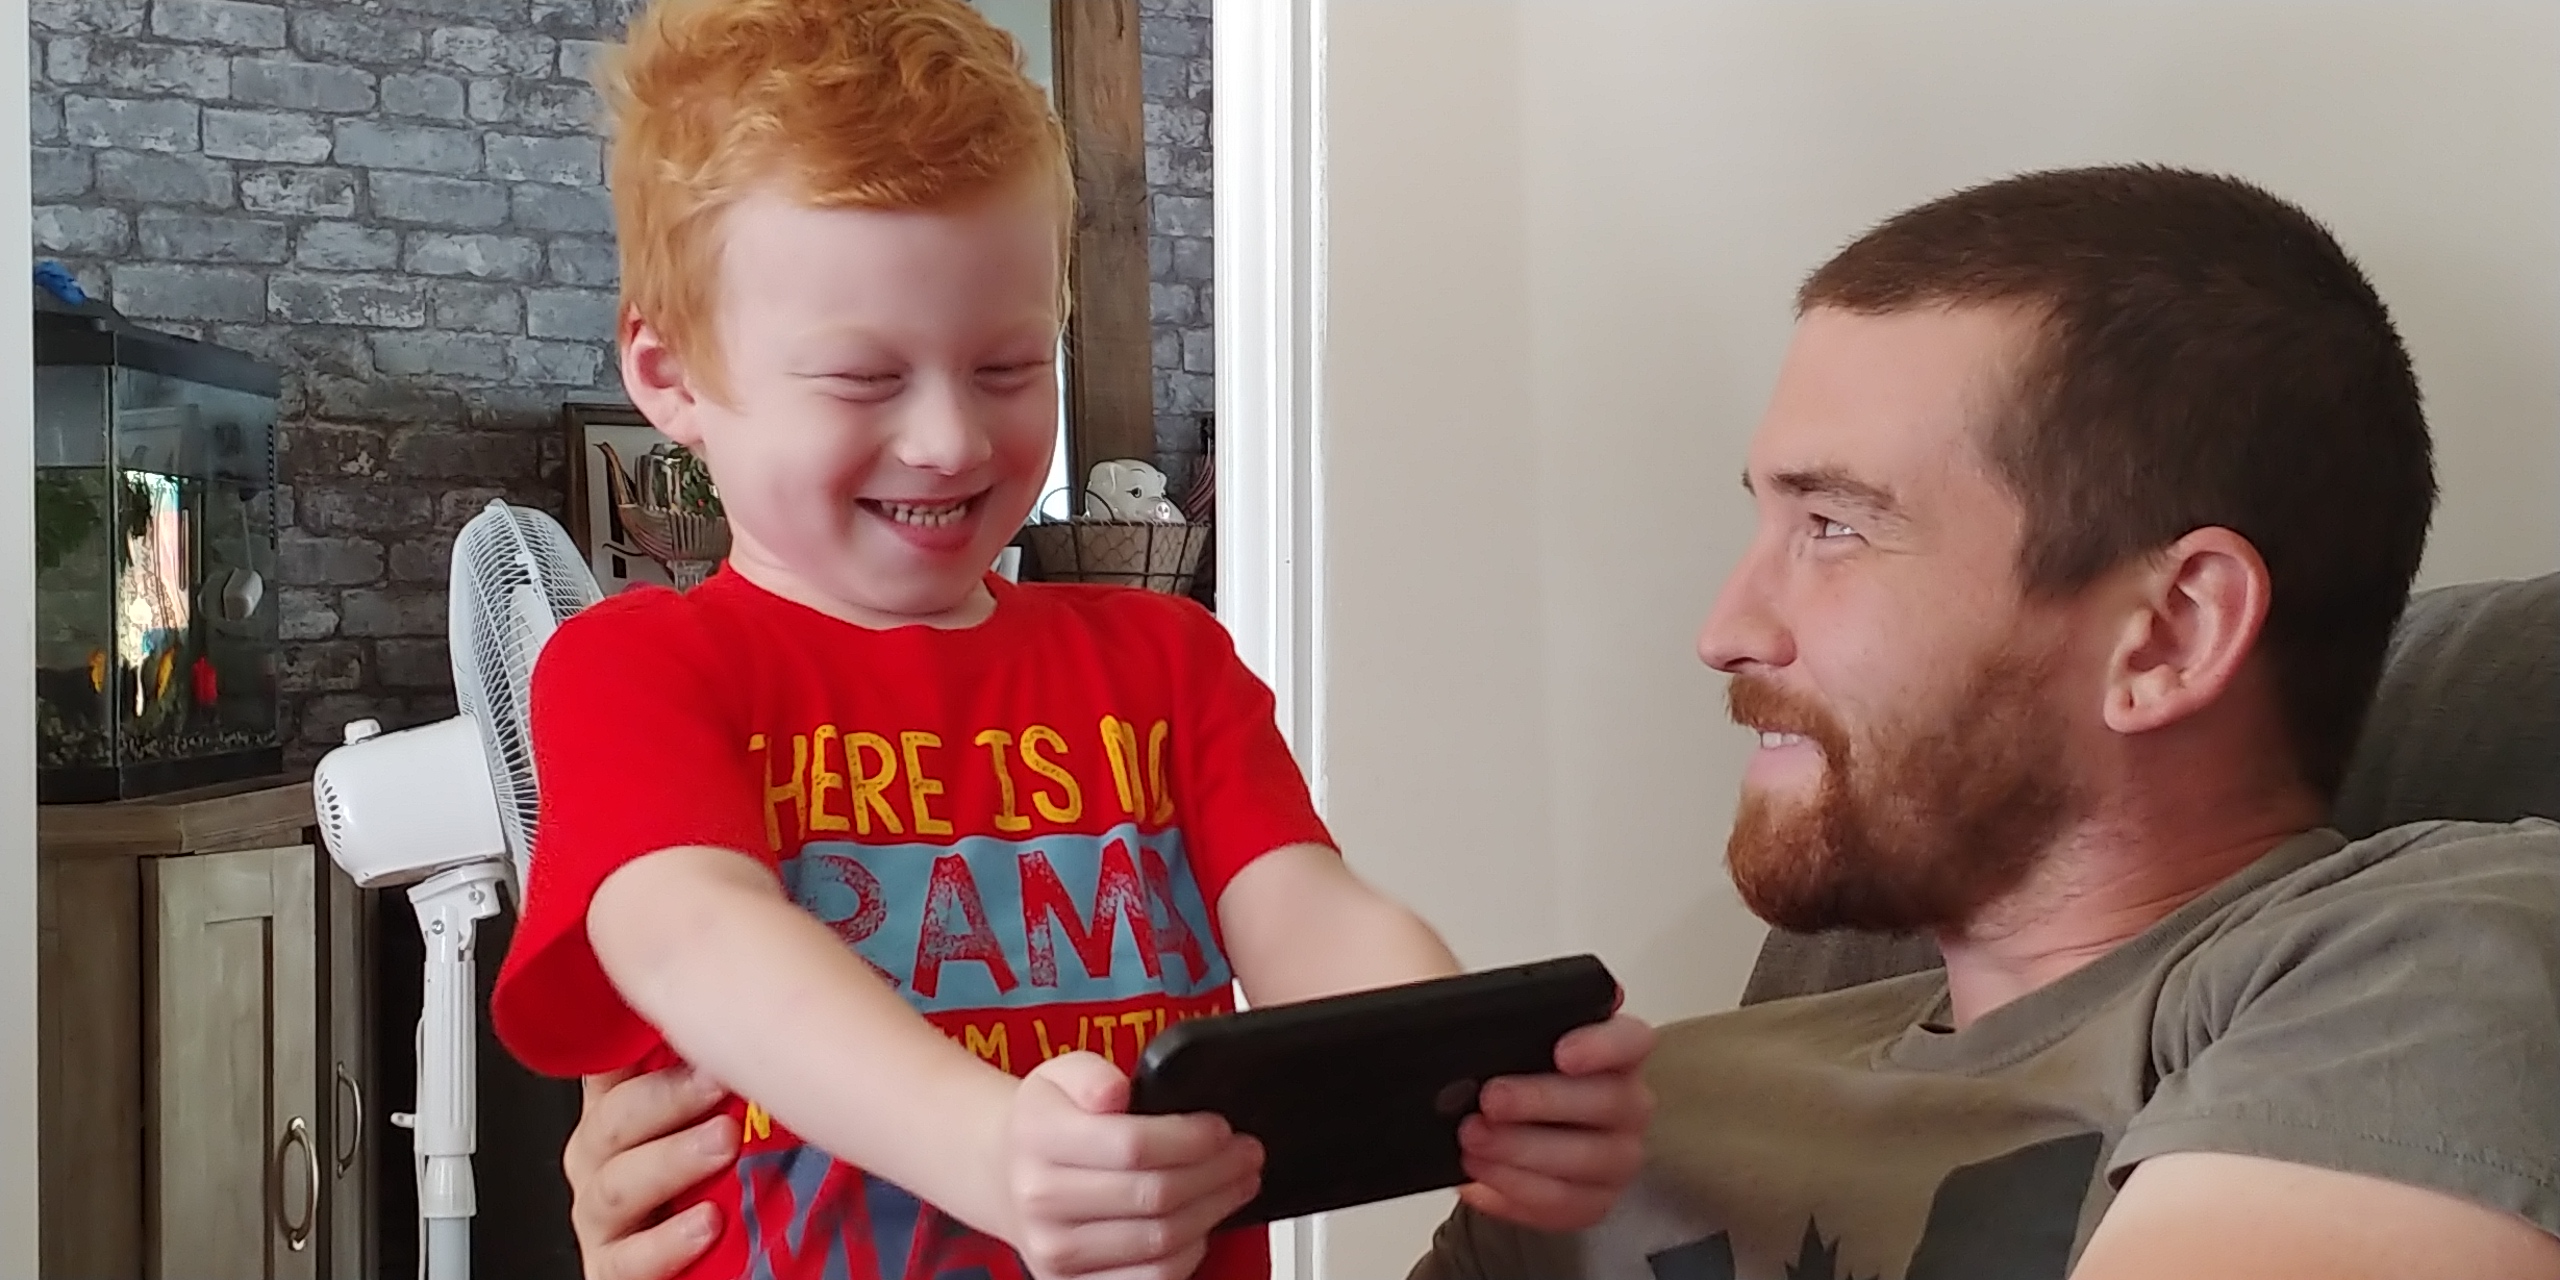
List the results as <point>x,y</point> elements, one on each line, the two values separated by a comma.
<point>1024,826</point>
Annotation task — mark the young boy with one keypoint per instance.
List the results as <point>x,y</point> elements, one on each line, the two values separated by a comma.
<point>913,860</point>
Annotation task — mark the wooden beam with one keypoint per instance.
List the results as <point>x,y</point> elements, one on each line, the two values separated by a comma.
<point>1110,377</point>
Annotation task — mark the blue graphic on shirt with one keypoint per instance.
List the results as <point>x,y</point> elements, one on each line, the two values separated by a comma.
<point>799,1173</point>
<point>981,923</point>
<point>986,923</point>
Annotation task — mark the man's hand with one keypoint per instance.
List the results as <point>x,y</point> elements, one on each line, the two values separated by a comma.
<point>1554,1152</point>
<point>1098,1192</point>
<point>640,1141</point>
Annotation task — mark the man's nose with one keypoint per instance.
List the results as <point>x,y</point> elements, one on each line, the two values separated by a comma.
<point>1743,630</point>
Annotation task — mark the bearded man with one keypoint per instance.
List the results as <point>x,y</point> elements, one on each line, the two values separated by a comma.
<point>2087,503</point>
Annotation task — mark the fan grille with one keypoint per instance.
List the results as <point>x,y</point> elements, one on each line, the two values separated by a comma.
<point>331,810</point>
<point>516,576</point>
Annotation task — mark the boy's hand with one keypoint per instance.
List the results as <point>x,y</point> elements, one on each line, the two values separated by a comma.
<point>1553,1152</point>
<point>1097,1192</point>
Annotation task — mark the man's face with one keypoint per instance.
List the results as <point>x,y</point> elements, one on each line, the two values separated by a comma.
<point>1913,706</point>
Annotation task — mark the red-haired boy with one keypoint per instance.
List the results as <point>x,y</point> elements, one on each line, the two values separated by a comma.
<point>911,859</point>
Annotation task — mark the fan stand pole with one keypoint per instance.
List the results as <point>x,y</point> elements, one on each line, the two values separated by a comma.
<point>450,907</point>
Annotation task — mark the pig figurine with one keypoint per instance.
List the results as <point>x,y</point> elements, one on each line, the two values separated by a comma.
<point>1127,489</point>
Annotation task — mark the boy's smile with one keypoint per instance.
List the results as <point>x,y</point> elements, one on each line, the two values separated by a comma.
<point>884,404</point>
<point>928,525</point>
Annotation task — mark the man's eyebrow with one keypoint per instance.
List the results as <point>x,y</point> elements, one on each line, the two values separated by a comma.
<point>1835,484</point>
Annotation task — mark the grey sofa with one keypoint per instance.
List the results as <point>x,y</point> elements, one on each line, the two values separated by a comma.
<point>2465,724</point>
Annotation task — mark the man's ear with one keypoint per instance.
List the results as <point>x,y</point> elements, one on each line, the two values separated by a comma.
<point>655,379</point>
<point>2197,608</point>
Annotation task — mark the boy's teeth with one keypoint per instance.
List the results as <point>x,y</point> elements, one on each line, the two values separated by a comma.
<point>922,514</point>
<point>1772,741</point>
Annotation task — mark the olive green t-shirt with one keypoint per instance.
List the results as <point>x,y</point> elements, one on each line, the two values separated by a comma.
<point>2389,1007</point>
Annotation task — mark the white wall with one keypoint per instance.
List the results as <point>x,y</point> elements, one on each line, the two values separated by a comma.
<point>1563,235</point>
<point>1027,21</point>
<point>17,679</point>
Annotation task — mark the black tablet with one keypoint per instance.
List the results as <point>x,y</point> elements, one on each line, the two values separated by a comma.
<point>1357,1098</point>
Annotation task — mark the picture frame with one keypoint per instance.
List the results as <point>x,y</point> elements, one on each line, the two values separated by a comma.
<point>617,563</point>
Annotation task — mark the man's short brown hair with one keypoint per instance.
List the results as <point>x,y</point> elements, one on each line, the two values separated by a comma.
<point>2209,356</point>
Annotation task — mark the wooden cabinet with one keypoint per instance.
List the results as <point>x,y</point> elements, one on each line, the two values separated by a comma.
<point>235,972</point>
<point>202,1065</point>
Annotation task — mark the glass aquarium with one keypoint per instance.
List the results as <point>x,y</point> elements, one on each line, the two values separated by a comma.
<point>156,611</point>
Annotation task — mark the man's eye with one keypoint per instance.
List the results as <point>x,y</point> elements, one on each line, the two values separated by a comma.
<point>1826,527</point>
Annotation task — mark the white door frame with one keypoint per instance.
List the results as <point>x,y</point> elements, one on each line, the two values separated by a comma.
<point>1268,184</point>
<point>17,676</point>
<point>1267,145</point>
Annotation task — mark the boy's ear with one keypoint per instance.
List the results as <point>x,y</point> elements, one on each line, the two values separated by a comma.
<point>654,377</point>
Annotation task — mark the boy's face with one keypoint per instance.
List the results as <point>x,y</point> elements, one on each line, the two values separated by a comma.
<point>892,397</point>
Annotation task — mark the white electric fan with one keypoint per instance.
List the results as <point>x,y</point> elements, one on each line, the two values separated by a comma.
<point>448,809</point>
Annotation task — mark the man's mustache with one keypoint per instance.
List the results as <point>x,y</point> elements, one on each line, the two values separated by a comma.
<point>1756,702</point>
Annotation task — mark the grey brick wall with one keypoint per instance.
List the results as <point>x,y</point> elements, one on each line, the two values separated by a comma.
<point>397,201</point>
<point>1173,38</point>
<point>400,203</point>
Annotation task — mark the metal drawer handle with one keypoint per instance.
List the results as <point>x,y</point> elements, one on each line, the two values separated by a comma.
<point>355,1129</point>
<point>297,1236</point>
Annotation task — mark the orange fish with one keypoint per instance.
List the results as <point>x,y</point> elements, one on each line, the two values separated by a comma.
<point>161,672</point>
<point>98,670</point>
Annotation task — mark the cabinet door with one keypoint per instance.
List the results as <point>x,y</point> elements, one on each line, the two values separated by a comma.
<point>354,1103</point>
<point>234,1160</point>
<point>90,940</point>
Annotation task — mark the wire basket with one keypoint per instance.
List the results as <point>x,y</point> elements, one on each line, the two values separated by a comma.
<point>1120,553</point>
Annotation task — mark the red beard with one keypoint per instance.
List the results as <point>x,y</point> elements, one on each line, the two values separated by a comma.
<point>1915,828</point>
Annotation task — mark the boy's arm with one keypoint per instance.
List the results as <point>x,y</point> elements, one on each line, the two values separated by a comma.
<point>759,995</point>
<point>1299,924</point>
<point>1549,1151</point>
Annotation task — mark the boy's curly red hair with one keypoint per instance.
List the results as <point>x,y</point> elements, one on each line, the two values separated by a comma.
<point>867,104</point>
